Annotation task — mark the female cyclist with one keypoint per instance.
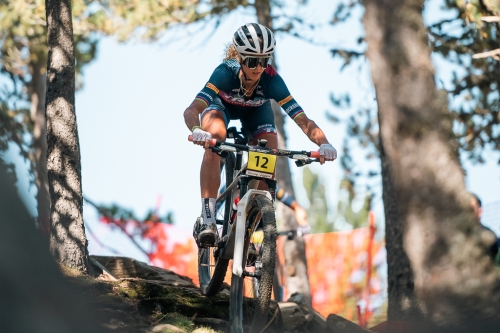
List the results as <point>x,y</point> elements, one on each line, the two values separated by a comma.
<point>241,88</point>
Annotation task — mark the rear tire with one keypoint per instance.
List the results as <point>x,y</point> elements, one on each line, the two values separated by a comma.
<point>211,268</point>
<point>260,209</point>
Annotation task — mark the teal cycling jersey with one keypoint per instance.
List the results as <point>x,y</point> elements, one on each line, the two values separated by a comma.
<point>225,83</point>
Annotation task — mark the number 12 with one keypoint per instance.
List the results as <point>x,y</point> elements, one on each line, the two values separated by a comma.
<point>265,160</point>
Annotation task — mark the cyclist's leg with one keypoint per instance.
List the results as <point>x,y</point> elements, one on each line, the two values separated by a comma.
<point>213,120</point>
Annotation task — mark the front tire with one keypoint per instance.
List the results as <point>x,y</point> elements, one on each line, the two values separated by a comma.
<point>263,262</point>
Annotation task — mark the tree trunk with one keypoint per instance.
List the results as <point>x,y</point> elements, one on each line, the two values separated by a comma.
<point>68,243</point>
<point>403,305</point>
<point>294,250</point>
<point>37,91</point>
<point>454,277</point>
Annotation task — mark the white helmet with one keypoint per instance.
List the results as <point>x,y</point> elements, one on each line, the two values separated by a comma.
<point>246,40</point>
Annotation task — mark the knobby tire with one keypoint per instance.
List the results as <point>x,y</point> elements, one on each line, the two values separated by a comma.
<point>260,208</point>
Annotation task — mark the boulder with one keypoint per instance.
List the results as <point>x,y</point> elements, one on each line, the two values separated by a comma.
<point>128,268</point>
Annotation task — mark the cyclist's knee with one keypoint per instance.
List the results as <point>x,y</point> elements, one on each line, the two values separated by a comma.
<point>213,122</point>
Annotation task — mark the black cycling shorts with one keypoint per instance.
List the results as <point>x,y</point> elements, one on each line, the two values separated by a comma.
<point>258,121</point>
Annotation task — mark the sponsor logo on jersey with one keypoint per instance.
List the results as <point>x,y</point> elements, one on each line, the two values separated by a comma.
<point>286,100</point>
<point>207,95</point>
<point>211,86</point>
<point>265,125</point>
<point>291,107</point>
<point>239,100</point>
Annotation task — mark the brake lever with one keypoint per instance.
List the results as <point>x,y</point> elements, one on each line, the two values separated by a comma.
<point>301,163</point>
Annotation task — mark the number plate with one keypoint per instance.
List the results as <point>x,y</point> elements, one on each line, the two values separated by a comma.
<point>262,163</point>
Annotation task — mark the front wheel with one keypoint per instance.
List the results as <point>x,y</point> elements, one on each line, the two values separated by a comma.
<point>260,254</point>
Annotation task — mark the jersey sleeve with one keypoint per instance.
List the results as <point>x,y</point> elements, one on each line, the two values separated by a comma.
<point>219,80</point>
<point>279,92</point>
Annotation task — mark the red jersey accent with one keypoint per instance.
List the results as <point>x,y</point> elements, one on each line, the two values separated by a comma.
<point>270,70</point>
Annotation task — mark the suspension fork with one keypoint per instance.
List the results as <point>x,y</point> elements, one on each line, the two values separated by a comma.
<point>246,196</point>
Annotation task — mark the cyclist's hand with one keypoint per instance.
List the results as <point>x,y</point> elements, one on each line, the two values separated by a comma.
<point>201,137</point>
<point>327,152</point>
<point>303,230</point>
<point>301,216</point>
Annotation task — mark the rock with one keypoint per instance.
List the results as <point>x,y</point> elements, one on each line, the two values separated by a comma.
<point>337,324</point>
<point>125,268</point>
<point>167,328</point>
<point>297,298</point>
<point>317,323</point>
<point>291,315</point>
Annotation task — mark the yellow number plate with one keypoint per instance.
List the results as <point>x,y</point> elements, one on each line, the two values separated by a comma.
<point>261,162</point>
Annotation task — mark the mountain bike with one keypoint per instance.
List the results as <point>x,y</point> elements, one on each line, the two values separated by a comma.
<point>238,220</point>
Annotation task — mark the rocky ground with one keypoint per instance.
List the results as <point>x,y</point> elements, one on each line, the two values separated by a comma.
<point>131,296</point>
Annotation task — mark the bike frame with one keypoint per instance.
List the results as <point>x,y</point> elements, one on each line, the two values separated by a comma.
<point>233,247</point>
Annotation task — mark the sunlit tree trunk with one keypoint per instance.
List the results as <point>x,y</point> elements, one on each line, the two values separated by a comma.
<point>294,250</point>
<point>403,304</point>
<point>453,274</point>
<point>68,242</point>
<point>37,92</point>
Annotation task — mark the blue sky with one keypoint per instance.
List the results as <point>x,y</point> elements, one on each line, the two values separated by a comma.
<point>133,139</point>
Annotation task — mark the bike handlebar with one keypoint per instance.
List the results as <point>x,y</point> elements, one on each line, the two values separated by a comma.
<point>277,152</point>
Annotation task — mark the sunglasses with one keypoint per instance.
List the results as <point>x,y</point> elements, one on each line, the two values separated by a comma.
<point>253,62</point>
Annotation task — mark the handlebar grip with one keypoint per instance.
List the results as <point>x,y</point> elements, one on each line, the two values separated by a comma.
<point>213,142</point>
<point>315,154</point>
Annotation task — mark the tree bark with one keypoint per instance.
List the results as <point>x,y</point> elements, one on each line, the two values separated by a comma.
<point>68,243</point>
<point>294,250</point>
<point>37,91</point>
<point>454,276</point>
<point>403,304</point>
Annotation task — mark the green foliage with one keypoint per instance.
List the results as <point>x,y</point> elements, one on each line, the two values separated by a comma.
<point>13,128</point>
<point>23,40</point>
<point>8,172</point>
<point>318,207</point>
<point>174,319</point>
<point>118,212</point>
<point>345,210</point>
<point>475,90</point>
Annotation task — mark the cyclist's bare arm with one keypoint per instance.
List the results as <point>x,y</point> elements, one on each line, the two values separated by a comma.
<point>192,114</point>
<point>313,132</point>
